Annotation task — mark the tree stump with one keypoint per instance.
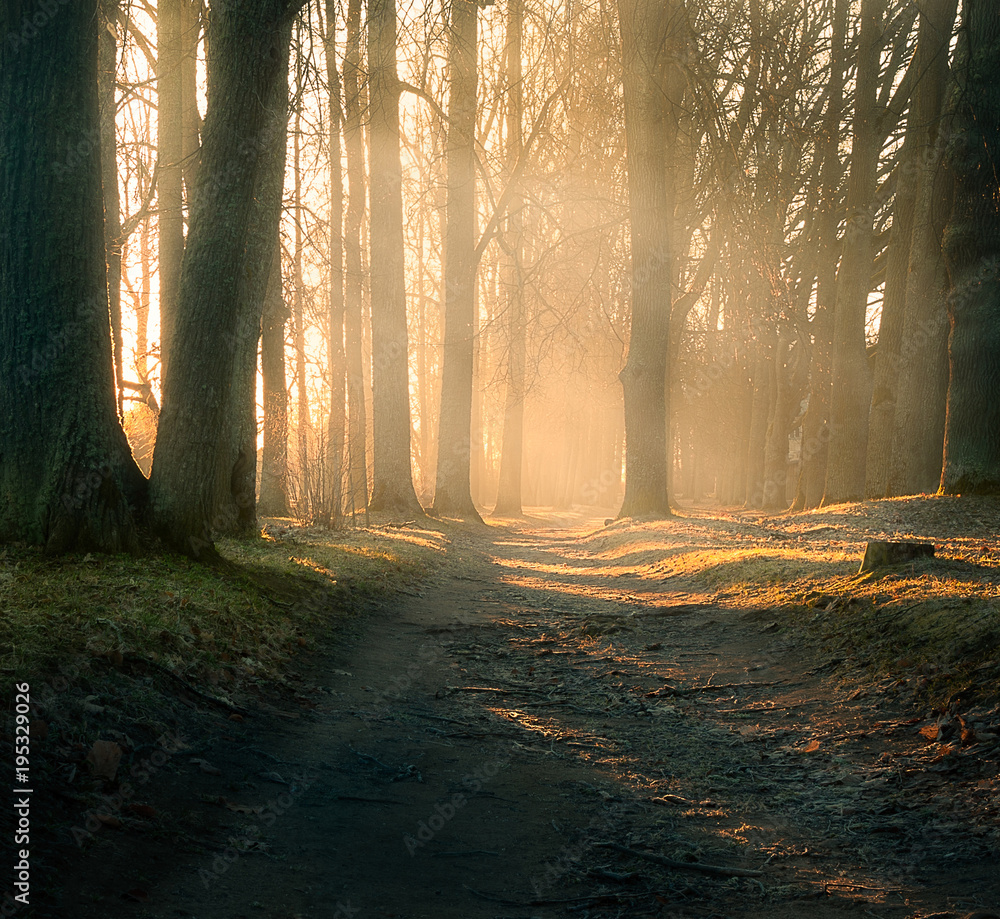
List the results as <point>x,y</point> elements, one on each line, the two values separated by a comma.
<point>878,554</point>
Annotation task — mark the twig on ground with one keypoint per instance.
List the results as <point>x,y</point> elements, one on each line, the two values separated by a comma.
<point>213,700</point>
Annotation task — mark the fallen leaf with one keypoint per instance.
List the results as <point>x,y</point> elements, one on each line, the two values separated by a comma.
<point>109,820</point>
<point>103,759</point>
<point>235,717</point>
<point>810,747</point>
<point>137,894</point>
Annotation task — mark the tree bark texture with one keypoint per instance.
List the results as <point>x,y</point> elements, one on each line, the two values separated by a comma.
<point>912,333</point>
<point>67,477</point>
<point>205,457</point>
<point>972,250</point>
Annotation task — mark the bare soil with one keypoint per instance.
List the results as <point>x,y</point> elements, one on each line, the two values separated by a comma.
<point>534,731</point>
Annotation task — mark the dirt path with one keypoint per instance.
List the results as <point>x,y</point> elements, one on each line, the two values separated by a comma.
<point>480,749</point>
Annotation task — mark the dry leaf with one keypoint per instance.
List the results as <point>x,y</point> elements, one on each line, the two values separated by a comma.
<point>235,717</point>
<point>137,894</point>
<point>109,820</point>
<point>810,747</point>
<point>103,759</point>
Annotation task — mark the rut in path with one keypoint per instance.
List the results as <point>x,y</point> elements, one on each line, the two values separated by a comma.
<point>538,732</point>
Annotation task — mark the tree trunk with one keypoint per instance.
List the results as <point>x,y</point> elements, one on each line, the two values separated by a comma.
<point>392,489</point>
<point>67,477</point>
<point>170,176</point>
<point>645,26</point>
<point>452,493</point>
<point>923,357</point>
<point>512,444</point>
<point>107,67</point>
<point>851,388</point>
<point>303,504</point>
<point>357,432</point>
<point>907,356</point>
<point>816,423</point>
<point>761,410</point>
<point>190,30</point>
<point>274,458</point>
<point>972,250</point>
<point>205,454</point>
<point>336,359</point>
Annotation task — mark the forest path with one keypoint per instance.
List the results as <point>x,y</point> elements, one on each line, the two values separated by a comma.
<point>480,740</point>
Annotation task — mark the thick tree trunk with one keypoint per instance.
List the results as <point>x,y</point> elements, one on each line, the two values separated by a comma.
<point>512,445</point>
<point>392,488</point>
<point>274,458</point>
<point>67,477</point>
<point>645,26</point>
<point>851,390</point>
<point>907,420</point>
<point>170,174</point>
<point>357,431</point>
<point>972,249</point>
<point>206,445</point>
<point>452,493</point>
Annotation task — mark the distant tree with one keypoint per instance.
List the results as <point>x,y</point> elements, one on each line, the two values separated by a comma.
<point>67,477</point>
<point>972,250</point>
<point>646,31</point>
<point>337,416</point>
<point>512,448</point>
<point>392,485</point>
<point>851,394</point>
<point>453,493</point>
<point>274,458</point>
<point>918,419</point>
<point>357,435</point>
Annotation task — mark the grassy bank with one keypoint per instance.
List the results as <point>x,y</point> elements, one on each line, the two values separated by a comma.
<point>932,626</point>
<point>212,626</point>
